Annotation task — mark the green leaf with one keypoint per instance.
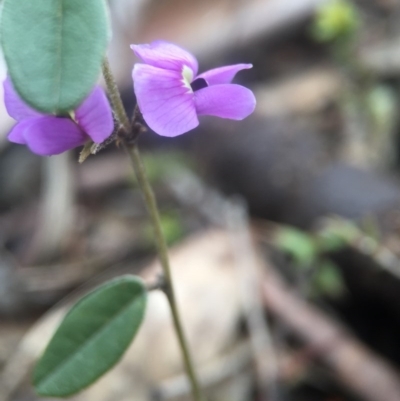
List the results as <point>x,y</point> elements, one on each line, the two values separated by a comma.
<point>54,49</point>
<point>328,280</point>
<point>92,338</point>
<point>300,245</point>
<point>335,19</point>
<point>336,235</point>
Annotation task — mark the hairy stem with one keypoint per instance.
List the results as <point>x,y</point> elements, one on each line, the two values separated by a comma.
<point>152,208</point>
<point>115,96</point>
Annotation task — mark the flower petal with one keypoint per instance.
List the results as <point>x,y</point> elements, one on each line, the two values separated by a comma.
<point>223,75</point>
<point>166,103</point>
<point>166,55</point>
<point>227,101</point>
<point>16,134</point>
<point>15,106</point>
<point>95,117</point>
<point>50,135</point>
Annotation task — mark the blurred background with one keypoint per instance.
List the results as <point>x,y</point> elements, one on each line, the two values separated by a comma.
<point>284,228</point>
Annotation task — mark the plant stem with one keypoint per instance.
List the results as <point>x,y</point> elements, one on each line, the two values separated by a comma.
<point>161,243</point>
<point>115,96</point>
<point>163,255</point>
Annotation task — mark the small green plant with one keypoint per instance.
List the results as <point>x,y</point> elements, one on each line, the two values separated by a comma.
<point>335,20</point>
<point>55,51</point>
<point>308,252</point>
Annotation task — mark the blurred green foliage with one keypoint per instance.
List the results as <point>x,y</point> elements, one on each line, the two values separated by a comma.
<point>298,244</point>
<point>172,226</point>
<point>337,19</point>
<point>309,254</point>
<point>382,104</point>
<point>336,235</point>
<point>381,101</point>
<point>159,165</point>
<point>328,280</point>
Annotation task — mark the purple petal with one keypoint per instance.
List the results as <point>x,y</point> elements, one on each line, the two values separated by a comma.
<point>166,103</point>
<point>15,106</point>
<point>95,117</point>
<point>16,134</point>
<point>50,135</point>
<point>223,75</point>
<point>227,101</point>
<point>166,55</point>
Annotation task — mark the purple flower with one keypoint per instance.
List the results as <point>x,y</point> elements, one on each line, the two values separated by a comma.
<point>171,95</point>
<point>48,135</point>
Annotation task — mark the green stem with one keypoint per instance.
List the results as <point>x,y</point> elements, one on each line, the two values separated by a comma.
<point>115,96</point>
<point>152,208</point>
<point>163,255</point>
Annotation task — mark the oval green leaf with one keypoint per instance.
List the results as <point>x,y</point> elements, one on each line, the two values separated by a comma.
<point>92,338</point>
<point>54,49</point>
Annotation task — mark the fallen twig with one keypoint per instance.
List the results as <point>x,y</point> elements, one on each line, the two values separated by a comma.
<point>356,367</point>
<point>249,280</point>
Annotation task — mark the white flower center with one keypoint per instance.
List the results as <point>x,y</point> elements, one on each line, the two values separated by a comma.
<point>187,77</point>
